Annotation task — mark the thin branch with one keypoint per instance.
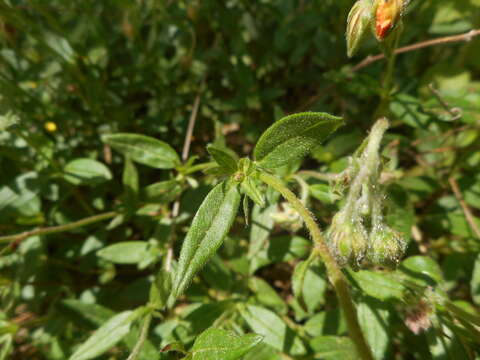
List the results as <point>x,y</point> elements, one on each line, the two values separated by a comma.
<point>466,210</point>
<point>185,153</point>
<point>141,340</point>
<point>56,229</point>
<point>443,40</point>
<point>191,126</point>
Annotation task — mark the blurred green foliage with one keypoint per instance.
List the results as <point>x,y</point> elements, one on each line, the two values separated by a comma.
<point>74,71</point>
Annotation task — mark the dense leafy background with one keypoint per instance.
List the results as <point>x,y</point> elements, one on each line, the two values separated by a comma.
<point>99,67</point>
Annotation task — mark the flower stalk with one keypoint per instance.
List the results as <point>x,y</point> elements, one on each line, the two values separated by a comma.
<point>334,272</point>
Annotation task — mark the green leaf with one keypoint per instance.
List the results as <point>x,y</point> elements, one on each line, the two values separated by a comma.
<point>86,172</point>
<point>277,334</point>
<point>96,315</point>
<point>262,225</point>
<point>223,158</point>
<point>106,336</point>
<point>125,252</point>
<point>329,322</point>
<point>323,193</point>
<point>263,352</point>
<point>314,286</point>
<point>333,348</point>
<point>214,344</point>
<point>422,269</point>
<point>130,183</point>
<point>144,150</point>
<point>293,137</point>
<point>281,249</point>
<point>160,288</point>
<point>6,345</point>
<point>250,188</point>
<point>21,195</point>
<point>164,191</point>
<point>8,120</point>
<point>475,282</point>
<point>298,279</point>
<point>266,295</point>
<point>209,227</point>
<point>381,286</point>
<point>374,323</point>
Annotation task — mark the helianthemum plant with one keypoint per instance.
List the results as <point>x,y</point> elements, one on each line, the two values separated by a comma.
<point>349,241</point>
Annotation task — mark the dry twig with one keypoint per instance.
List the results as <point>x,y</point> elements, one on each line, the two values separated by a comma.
<point>466,210</point>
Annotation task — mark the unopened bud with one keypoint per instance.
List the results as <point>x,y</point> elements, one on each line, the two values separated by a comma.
<point>387,15</point>
<point>359,20</point>
<point>347,241</point>
<point>386,247</point>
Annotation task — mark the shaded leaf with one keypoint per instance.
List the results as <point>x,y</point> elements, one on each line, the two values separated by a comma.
<point>374,323</point>
<point>86,172</point>
<point>475,282</point>
<point>333,348</point>
<point>144,150</point>
<point>125,252</point>
<point>163,191</point>
<point>276,333</point>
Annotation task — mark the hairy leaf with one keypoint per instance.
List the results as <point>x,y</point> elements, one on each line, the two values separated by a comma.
<point>209,227</point>
<point>293,137</point>
<point>214,344</point>
<point>223,158</point>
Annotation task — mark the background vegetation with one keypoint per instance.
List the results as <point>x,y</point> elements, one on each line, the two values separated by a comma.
<point>73,71</point>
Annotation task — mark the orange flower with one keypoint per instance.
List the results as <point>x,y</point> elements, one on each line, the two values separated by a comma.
<point>387,14</point>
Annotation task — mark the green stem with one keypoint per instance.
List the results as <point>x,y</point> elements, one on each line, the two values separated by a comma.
<point>334,272</point>
<point>391,56</point>
<point>59,228</point>
<point>141,339</point>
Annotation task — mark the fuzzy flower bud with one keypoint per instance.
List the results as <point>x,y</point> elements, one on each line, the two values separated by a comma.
<point>359,20</point>
<point>387,14</point>
<point>347,240</point>
<point>386,247</point>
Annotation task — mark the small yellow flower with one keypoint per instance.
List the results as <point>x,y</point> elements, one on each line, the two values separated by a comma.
<point>50,126</point>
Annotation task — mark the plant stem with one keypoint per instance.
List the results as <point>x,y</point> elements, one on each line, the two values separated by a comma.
<point>141,339</point>
<point>59,228</point>
<point>389,49</point>
<point>334,272</point>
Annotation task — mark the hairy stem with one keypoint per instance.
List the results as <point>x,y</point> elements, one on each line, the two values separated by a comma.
<point>59,228</point>
<point>334,272</point>
<point>141,339</point>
